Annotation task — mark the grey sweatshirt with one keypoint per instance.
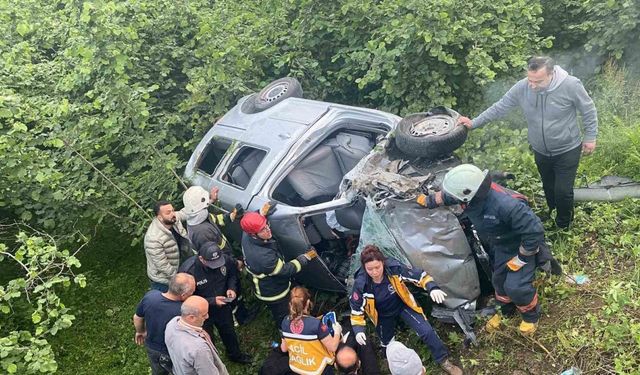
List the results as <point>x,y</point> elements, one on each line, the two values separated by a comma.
<point>551,114</point>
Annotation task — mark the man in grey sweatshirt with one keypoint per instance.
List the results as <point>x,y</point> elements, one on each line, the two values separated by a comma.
<point>550,99</point>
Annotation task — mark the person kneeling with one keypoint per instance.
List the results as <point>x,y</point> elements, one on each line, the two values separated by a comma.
<point>307,339</point>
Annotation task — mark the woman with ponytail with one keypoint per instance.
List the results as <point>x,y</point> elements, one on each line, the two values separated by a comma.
<point>311,348</point>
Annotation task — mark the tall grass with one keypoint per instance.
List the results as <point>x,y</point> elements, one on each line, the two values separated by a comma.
<point>617,97</point>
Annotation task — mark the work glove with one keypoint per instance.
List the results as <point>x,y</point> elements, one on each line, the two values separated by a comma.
<point>237,212</point>
<point>337,329</point>
<point>437,295</point>
<point>516,263</point>
<point>311,253</point>
<point>422,200</point>
<point>361,338</point>
<point>268,208</point>
<point>306,257</point>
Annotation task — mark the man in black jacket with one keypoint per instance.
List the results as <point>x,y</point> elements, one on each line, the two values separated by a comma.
<point>216,279</point>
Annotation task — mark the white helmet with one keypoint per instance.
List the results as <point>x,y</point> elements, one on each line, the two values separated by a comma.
<point>463,181</point>
<point>195,199</point>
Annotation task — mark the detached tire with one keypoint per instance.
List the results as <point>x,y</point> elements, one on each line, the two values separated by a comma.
<point>276,92</point>
<point>430,134</point>
<point>249,104</point>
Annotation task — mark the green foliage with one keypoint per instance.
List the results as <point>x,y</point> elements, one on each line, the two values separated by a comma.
<point>594,327</point>
<point>102,101</point>
<point>619,140</point>
<point>407,56</point>
<point>31,301</point>
<point>604,28</point>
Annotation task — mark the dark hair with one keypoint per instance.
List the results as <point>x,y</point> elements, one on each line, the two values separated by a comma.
<point>536,63</point>
<point>371,253</point>
<point>157,205</point>
<point>349,370</point>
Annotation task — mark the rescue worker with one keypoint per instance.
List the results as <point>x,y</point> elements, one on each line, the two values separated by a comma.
<point>379,290</point>
<point>264,261</point>
<point>307,339</point>
<point>216,275</point>
<point>514,232</point>
<point>203,227</point>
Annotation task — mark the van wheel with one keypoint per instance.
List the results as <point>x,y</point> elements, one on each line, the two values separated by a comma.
<point>276,92</point>
<point>430,134</point>
<point>249,104</point>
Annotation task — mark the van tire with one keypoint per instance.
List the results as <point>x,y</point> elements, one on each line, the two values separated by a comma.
<point>249,104</point>
<point>277,91</point>
<point>431,143</point>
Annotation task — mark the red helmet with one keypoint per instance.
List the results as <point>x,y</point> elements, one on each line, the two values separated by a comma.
<point>252,222</point>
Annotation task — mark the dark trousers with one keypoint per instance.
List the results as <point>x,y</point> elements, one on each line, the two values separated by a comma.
<point>279,309</point>
<point>368,360</point>
<point>386,329</point>
<point>558,174</point>
<point>515,289</point>
<point>160,362</point>
<point>222,319</point>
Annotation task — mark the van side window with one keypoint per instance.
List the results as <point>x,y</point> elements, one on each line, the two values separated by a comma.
<point>213,154</point>
<point>244,165</point>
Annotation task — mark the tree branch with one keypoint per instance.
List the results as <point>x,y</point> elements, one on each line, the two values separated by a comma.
<point>106,178</point>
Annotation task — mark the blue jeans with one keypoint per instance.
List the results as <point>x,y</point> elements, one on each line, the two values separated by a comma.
<point>160,362</point>
<point>386,329</point>
<point>159,286</point>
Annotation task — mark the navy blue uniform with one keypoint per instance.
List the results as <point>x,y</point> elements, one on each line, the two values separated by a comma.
<point>307,354</point>
<point>379,303</point>
<point>512,229</point>
<point>211,283</point>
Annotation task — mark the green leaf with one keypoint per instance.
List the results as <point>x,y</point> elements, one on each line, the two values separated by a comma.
<point>23,28</point>
<point>57,143</point>
<point>20,127</point>
<point>26,216</point>
<point>35,317</point>
<point>12,368</point>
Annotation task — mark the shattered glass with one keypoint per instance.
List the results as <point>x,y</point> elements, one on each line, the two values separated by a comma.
<point>431,240</point>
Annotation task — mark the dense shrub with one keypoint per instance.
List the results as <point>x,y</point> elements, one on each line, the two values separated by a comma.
<point>587,33</point>
<point>102,101</point>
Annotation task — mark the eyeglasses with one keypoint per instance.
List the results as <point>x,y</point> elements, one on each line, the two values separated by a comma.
<point>265,229</point>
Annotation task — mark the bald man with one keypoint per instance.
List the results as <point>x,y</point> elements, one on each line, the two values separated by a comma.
<point>352,358</point>
<point>190,347</point>
<point>153,313</point>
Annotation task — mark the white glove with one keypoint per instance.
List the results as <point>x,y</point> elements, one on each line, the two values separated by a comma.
<point>437,295</point>
<point>337,329</point>
<point>361,338</point>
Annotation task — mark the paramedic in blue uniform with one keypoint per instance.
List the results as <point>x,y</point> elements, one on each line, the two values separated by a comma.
<point>379,291</point>
<point>310,345</point>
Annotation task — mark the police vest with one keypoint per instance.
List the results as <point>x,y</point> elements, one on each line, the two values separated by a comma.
<point>307,355</point>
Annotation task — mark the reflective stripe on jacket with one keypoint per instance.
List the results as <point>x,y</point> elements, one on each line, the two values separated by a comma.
<point>209,231</point>
<point>270,273</point>
<point>307,354</point>
<point>362,299</point>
